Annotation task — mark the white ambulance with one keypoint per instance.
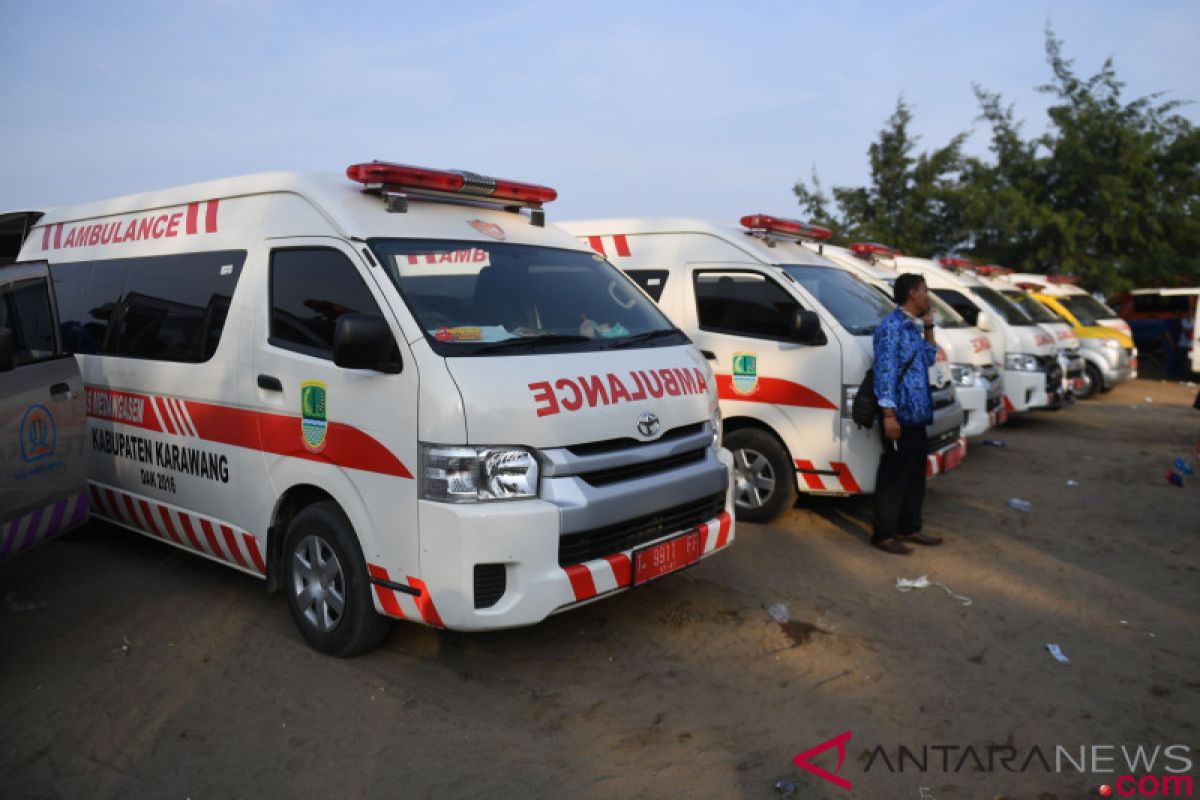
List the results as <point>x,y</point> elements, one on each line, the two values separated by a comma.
<point>1070,355</point>
<point>788,334</point>
<point>394,395</point>
<point>1032,374</point>
<point>978,382</point>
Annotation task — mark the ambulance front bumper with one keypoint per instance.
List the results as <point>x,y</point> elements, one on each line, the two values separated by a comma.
<point>1024,390</point>
<point>974,401</point>
<point>509,555</point>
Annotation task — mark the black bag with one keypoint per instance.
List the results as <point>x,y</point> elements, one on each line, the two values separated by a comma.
<point>865,408</point>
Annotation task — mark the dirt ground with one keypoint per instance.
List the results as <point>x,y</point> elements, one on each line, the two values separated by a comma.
<point>130,669</point>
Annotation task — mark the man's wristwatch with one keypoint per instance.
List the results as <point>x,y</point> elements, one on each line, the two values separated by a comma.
<point>929,325</point>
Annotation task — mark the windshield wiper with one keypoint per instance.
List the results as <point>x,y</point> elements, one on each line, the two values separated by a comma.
<point>638,338</point>
<point>526,341</point>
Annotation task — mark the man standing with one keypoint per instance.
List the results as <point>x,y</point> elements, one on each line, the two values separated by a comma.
<point>904,352</point>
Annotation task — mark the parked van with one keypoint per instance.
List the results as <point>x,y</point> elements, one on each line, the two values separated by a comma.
<point>1149,313</point>
<point>978,382</point>
<point>1111,358</point>
<point>43,489</point>
<point>1032,375</point>
<point>789,336</point>
<point>1070,357</point>
<point>395,395</point>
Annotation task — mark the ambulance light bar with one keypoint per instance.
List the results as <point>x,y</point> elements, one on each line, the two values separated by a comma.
<point>993,269</point>
<point>791,227</point>
<point>956,262</point>
<point>422,179</point>
<point>869,249</point>
<point>1071,279</point>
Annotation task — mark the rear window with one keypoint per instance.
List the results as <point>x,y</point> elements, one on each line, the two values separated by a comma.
<point>482,298</point>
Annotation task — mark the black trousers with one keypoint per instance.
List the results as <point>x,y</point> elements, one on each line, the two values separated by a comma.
<point>900,485</point>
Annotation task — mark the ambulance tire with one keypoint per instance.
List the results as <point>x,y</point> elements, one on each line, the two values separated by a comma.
<point>322,533</point>
<point>761,461</point>
<point>1094,383</point>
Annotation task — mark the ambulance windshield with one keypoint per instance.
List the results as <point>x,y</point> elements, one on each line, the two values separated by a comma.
<point>1032,307</point>
<point>856,306</point>
<point>1007,309</point>
<point>484,298</point>
<point>1084,305</point>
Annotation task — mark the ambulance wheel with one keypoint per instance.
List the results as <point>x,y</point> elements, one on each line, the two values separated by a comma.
<point>325,579</point>
<point>1093,382</point>
<point>764,479</point>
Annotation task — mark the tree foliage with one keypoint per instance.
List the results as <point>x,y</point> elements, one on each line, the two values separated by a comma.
<point>1110,191</point>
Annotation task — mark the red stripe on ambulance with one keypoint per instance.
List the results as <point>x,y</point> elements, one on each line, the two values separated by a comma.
<point>152,518</point>
<point>777,391</point>
<point>402,604</point>
<point>607,574</point>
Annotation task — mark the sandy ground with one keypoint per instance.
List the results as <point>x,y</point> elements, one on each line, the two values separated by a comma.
<point>684,688</point>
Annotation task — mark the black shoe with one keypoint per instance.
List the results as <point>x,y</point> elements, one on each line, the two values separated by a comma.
<point>893,546</point>
<point>921,538</point>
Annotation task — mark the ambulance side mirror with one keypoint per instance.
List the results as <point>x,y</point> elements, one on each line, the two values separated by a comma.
<point>983,321</point>
<point>806,328</point>
<point>364,341</point>
<point>8,357</point>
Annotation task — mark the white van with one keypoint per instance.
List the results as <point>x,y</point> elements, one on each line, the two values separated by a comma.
<point>789,336</point>
<point>397,395</point>
<point>1070,355</point>
<point>978,382</point>
<point>1032,374</point>
<point>43,460</point>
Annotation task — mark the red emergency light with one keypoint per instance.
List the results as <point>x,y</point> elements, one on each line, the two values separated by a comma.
<point>993,269</point>
<point>956,262</point>
<point>1029,286</point>
<point>870,249</point>
<point>1071,279</point>
<point>403,176</point>
<point>792,227</point>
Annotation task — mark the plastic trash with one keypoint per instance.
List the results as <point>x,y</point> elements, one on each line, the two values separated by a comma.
<point>1183,466</point>
<point>1148,399</point>
<point>778,612</point>
<point>1174,478</point>
<point>786,788</point>
<point>923,582</point>
<point>1058,654</point>
<point>1072,483</point>
<point>1017,504</point>
<point>926,793</point>
<point>994,442</point>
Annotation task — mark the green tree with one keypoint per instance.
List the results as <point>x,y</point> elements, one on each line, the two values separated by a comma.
<point>912,201</point>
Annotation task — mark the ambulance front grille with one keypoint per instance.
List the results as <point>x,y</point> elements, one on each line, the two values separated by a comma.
<point>627,472</point>
<point>612,445</point>
<point>576,548</point>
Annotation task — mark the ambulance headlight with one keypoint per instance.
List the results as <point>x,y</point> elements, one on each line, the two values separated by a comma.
<point>1021,362</point>
<point>715,422</point>
<point>965,374</point>
<point>477,474</point>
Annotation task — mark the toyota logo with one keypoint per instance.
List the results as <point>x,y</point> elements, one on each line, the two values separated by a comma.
<point>648,425</point>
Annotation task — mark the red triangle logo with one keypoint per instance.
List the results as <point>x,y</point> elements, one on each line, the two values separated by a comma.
<point>803,760</point>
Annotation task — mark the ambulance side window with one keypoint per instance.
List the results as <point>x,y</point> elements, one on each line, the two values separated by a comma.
<point>25,312</point>
<point>652,281</point>
<point>959,302</point>
<point>744,304</point>
<point>310,289</point>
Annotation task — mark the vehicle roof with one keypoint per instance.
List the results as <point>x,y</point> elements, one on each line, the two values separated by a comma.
<point>927,266</point>
<point>1168,292</point>
<point>342,202</point>
<point>733,234</point>
<point>847,258</point>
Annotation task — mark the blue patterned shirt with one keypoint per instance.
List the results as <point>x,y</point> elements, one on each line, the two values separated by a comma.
<point>897,339</point>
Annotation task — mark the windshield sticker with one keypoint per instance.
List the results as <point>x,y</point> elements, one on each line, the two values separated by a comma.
<point>603,330</point>
<point>592,391</point>
<point>314,425</point>
<point>467,261</point>
<point>488,229</point>
<point>745,372</point>
<point>477,333</point>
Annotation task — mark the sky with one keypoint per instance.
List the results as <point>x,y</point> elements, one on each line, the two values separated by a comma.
<point>626,108</point>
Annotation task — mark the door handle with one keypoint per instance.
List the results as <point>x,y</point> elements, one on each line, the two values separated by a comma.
<point>270,383</point>
<point>709,354</point>
<point>60,388</point>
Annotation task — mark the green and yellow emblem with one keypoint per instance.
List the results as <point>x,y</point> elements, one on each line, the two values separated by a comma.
<point>745,372</point>
<point>314,426</point>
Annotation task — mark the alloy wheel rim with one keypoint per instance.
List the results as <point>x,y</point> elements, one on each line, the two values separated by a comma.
<point>318,583</point>
<point>754,479</point>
